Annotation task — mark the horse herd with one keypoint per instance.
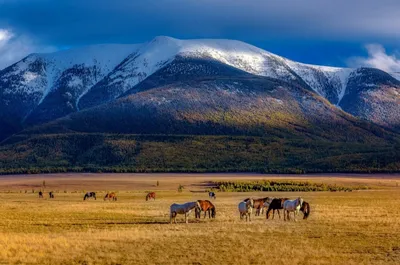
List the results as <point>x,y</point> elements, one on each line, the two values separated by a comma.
<point>245,207</point>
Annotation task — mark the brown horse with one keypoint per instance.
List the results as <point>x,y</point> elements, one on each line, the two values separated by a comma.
<point>276,204</point>
<point>206,206</point>
<point>258,204</point>
<point>305,208</point>
<point>111,196</point>
<point>151,195</point>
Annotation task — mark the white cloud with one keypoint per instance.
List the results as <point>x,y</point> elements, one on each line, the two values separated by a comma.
<point>377,58</point>
<point>14,48</point>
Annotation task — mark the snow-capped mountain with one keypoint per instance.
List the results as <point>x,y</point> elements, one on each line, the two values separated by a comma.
<point>44,87</point>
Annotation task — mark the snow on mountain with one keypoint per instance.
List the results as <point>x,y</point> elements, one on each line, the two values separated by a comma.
<point>161,51</point>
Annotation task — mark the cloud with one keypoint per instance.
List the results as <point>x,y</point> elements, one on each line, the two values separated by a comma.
<point>77,22</point>
<point>377,58</point>
<point>13,48</point>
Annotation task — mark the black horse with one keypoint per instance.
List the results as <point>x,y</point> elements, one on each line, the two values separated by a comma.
<point>40,194</point>
<point>89,195</point>
<point>212,195</point>
<point>51,195</point>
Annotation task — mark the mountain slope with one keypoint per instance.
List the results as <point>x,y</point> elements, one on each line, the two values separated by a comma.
<point>45,87</point>
<point>42,87</point>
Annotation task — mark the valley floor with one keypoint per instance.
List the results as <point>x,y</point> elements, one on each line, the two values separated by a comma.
<point>359,227</point>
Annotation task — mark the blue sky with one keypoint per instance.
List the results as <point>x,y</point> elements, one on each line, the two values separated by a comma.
<point>340,32</point>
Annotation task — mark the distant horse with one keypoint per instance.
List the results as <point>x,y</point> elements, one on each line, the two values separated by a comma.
<point>40,194</point>
<point>212,195</point>
<point>151,195</point>
<point>292,206</point>
<point>51,195</point>
<point>111,196</point>
<point>206,206</point>
<point>245,209</point>
<point>258,204</point>
<point>185,209</point>
<point>276,204</point>
<point>305,208</point>
<point>89,195</point>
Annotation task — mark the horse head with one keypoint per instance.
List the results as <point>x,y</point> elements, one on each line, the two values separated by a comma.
<point>299,201</point>
<point>250,202</point>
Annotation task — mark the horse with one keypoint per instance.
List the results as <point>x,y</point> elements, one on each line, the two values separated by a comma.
<point>212,195</point>
<point>151,195</point>
<point>206,206</point>
<point>89,195</point>
<point>111,196</point>
<point>258,204</point>
<point>245,209</point>
<point>40,194</point>
<point>292,206</point>
<point>51,195</point>
<point>266,204</point>
<point>305,208</point>
<point>276,204</point>
<point>185,209</point>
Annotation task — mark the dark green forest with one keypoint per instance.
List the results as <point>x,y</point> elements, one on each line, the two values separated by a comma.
<point>85,152</point>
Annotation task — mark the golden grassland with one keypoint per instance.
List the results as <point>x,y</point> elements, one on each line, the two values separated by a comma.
<point>359,227</point>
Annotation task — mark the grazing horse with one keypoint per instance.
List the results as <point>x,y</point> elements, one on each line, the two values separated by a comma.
<point>185,209</point>
<point>40,194</point>
<point>111,196</point>
<point>292,206</point>
<point>89,195</point>
<point>266,204</point>
<point>206,206</point>
<point>258,204</point>
<point>276,204</point>
<point>245,209</point>
<point>51,195</point>
<point>151,195</point>
<point>305,208</point>
<point>212,195</point>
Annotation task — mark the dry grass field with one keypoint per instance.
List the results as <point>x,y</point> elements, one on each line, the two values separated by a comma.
<point>359,227</point>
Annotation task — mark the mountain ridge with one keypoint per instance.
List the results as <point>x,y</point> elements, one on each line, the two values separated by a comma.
<point>43,87</point>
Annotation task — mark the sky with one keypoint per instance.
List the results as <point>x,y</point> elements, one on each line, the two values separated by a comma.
<point>337,33</point>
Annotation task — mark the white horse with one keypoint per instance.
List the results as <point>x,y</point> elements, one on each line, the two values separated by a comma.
<point>245,209</point>
<point>185,209</point>
<point>292,206</point>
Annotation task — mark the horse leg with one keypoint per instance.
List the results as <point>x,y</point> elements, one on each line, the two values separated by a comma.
<point>186,218</point>
<point>279,214</point>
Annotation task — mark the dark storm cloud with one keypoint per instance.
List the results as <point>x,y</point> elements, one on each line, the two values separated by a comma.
<point>266,23</point>
<point>69,22</point>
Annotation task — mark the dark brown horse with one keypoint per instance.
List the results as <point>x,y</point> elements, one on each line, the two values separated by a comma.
<point>258,204</point>
<point>151,195</point>
<point>276,204</point>
<point>111,196</point>
<point>206,206</point>
<point>40,194</point>
<point>51,195</point>
<point>305,208</point>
